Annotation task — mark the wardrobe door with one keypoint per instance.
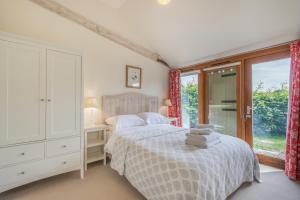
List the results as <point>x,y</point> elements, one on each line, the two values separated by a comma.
<point>22,93</point>
<point>63,94</point>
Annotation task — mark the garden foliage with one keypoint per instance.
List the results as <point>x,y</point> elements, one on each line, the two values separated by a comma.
<point>270,110</point>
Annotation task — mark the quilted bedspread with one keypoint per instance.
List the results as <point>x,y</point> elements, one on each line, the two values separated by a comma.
<point>158,163</point>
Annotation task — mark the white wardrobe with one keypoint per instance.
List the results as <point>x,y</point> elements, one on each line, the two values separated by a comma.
<point>40,111</point>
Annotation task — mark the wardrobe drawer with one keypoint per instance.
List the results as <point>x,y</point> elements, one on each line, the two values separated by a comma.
<point>21,172</point>
<point>22,153</point>
<point>63,146</point>
<point>28,172</point>
<point>63,163</point>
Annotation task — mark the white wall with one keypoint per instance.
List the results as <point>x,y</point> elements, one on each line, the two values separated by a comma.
<point>104,61</point>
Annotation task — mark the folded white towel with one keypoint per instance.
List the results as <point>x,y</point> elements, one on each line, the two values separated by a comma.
<point>202,145</point>
<point>205,131</point>
<point>211,126</point>
<point>204,138</point>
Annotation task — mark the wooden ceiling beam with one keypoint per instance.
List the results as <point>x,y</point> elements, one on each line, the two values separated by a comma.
<point>98,29</point>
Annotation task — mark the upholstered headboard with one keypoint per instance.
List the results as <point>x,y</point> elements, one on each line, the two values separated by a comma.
<point>128,103</point>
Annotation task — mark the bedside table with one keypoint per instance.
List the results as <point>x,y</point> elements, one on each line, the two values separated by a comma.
<point>174,119</point>
<point>95,138</point>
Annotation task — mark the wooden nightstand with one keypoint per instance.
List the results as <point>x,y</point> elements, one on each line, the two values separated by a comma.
<point>95,138</point>
<point>174,119</point>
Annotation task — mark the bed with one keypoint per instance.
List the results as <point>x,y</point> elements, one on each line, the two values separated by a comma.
<point>158,163</point>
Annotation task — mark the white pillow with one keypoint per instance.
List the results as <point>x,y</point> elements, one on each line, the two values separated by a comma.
<point>125,121</point>
<point>154,118</point>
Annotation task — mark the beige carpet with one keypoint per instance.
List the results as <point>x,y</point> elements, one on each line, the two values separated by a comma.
<point>101,182</point>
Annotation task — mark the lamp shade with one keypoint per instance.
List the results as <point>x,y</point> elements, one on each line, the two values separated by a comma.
<point>167,102</point>
<point>91,102</point>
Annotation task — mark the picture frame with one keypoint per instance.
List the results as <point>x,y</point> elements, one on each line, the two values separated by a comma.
<point>133,77</point>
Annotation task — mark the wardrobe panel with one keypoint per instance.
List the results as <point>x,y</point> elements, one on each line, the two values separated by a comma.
<point>23,92</point>
<point>63,94</point>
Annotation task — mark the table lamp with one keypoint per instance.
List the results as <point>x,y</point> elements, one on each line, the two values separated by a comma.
<point>167,103</point>
<point>92,104</point>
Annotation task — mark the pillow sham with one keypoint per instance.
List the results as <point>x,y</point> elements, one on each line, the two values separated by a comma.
<point>125,121</point>
<point>154,118</point>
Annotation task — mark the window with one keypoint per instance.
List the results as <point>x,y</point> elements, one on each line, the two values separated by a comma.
<point>189,100</point>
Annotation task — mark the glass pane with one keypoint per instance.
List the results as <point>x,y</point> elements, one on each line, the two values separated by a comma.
<point>270,85</point>
<point>189,100</point>
<point>222,100</point>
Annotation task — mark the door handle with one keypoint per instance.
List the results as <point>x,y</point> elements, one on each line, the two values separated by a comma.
<point>248,114</point>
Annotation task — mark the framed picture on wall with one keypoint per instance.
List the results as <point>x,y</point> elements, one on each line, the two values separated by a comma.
<point>133,77</point>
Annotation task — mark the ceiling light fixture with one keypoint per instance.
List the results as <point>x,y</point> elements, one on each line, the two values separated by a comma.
<point>163,2</point>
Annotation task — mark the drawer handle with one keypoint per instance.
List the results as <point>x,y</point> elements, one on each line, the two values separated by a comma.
<point>64,146</point>
<point>64,163</point>
<point>22,173</point>
<point>22,154</point>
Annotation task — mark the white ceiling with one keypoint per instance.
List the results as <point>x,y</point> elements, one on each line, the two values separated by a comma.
<point>114,3</point>
<point>190,31</point>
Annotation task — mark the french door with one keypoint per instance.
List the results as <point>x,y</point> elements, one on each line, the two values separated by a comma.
<point>246,96</point>
<point>222,98</point>
<point>266,90</point>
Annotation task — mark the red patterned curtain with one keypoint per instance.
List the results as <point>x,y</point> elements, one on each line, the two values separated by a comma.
<point>175,95</point>
<point>292,163</point>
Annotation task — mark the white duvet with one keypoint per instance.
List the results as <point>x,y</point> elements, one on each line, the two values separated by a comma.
<point>158,163</point>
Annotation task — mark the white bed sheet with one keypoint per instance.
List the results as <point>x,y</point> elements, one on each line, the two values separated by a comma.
<point>158,163</point>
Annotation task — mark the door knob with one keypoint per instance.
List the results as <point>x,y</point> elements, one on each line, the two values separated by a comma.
<point>49,100</point>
